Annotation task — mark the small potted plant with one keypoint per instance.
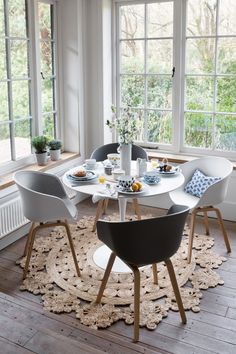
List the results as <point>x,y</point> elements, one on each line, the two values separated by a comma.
<point>40,143</point>
<point>55,149</point>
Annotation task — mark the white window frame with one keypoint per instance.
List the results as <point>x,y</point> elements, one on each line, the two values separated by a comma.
<point>178,91</point>
<point>35,81</point>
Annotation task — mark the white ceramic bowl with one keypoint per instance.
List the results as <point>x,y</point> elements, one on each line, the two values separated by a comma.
<point>114,159</point>
<point>117,173</point>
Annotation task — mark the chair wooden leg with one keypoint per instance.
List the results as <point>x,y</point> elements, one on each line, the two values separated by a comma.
<point>174,284</point>
<point>191,235</point>
<point>105,277</point>
<point>136,302</point>
<point>99,211</point>
<point>137,208</point>
<point>221,224</point>
<point>71,246</point>
<point>28,239</point>
<point>29,249</point>
<point>105,205</point>
<point>154,271</point>
<point>206,223</point>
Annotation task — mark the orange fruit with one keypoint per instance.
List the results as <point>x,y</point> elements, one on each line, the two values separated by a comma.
<point>139,184</point>
<point>135,187</point>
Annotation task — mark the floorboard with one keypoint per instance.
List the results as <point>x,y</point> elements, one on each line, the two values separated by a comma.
<point>27,328</point>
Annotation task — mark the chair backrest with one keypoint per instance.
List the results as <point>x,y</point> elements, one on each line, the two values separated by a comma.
<point>43,196</point>
<point>147,241</point>
<point>100,154</point>
<point>210,166</point>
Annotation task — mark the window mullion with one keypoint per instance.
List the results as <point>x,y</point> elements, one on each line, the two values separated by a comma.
<point>145,76</point>
<point>9,82</point>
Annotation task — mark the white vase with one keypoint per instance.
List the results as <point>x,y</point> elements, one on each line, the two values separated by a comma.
<point>55,154</point>
<point>125,158</point>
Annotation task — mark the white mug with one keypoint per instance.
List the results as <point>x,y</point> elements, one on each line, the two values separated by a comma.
<point>90,164</point>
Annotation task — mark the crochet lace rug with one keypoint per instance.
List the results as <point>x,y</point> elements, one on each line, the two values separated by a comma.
<point>52,274</point>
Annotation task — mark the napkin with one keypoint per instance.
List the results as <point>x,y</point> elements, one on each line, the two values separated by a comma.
<point>107,192</point>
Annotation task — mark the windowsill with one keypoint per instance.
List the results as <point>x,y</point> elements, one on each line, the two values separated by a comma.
<point>175,158</point>
<point>7,180</point>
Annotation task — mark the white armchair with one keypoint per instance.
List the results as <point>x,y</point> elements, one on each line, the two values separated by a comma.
<point>45,202</point>
<point>215,194</point>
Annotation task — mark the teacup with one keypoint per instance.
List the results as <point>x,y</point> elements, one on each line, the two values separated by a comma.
<point>125,182</point>
<point>151,177</point>
<point>114,159</point>
<point>90,164</point>
<point>117,173</point>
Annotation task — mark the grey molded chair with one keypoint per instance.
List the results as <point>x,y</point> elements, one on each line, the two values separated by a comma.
<point>215,194</point>
<point>143,242</point>
<point>100,154</point>
<point>45,202</point>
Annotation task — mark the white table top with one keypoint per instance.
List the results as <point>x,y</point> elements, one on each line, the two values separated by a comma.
<point>166,184</point>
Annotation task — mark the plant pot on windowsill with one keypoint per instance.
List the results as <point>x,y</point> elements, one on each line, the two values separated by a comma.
<point>55,149</point>
<point>40,145</point>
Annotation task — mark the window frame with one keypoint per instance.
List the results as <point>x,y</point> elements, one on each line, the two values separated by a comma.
<point>178,90</point>
<point>34,80</point>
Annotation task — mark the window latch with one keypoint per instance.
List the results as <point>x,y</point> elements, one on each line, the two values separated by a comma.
<point>173,72</point>
<point>42,76</point>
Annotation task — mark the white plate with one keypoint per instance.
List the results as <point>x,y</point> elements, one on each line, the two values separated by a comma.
<point>169,173</point>
<point>89,176</point>
<point>130,192</point>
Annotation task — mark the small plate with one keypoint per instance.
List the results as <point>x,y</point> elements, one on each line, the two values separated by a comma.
<point>170,173</point>
<point>124,191</point>
<point>89,176</point>
<point>151,183</point>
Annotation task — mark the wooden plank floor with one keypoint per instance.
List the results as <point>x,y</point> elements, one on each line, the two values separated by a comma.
<point>27,328</point>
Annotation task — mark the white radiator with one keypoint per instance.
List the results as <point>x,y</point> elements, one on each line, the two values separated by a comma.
<point>11,216</point>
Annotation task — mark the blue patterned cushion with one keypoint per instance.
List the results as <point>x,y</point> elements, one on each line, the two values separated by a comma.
<point>199,183</point>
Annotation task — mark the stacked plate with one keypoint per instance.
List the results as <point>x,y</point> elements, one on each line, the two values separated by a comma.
<point>88,177</point>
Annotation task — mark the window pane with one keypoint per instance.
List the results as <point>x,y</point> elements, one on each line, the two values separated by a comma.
<point>19,59</point>
<point>132,90</point>
<point>226,94</point>
<point>159,92</point>
<point>225,137</point>
<point>17,22</point>
<point>5,146</point>
<point>199,93</point>
<point>159,127</point>
<point>200,55</point>
<point>159,59</point>
<point>46,58</point>
<point>132,21</point>
<point>44,20</point>
<point>22,138</point>
<point>47,96</point>
<point>227,16</point>
<point>4,115</point>
<point>3,69</point>
<point>132,57</point>
<point>48,125</point>
<point>20,95</point>
<point>198,130</point>
<point>201,17</point>
<point>2,26</point>
<point>160,19</point>
<point>227,55</point>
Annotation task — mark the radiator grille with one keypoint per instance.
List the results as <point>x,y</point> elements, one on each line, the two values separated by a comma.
<point>11,216</point>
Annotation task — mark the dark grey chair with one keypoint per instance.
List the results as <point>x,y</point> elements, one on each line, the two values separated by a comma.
<point>100,154</point>
<point>143,242</point>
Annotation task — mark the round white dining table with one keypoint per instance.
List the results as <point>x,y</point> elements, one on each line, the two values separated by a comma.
<point>167,184</point>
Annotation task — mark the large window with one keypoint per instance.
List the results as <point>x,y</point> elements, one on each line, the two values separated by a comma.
<point>27,75</point>
<point>176,68</point>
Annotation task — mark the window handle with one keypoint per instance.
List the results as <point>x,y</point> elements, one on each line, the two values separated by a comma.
<point>42,76</point>
<point>173,72</point>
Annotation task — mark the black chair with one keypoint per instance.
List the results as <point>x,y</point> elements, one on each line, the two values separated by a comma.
<point>143,242</point>
<point>100,154</point>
